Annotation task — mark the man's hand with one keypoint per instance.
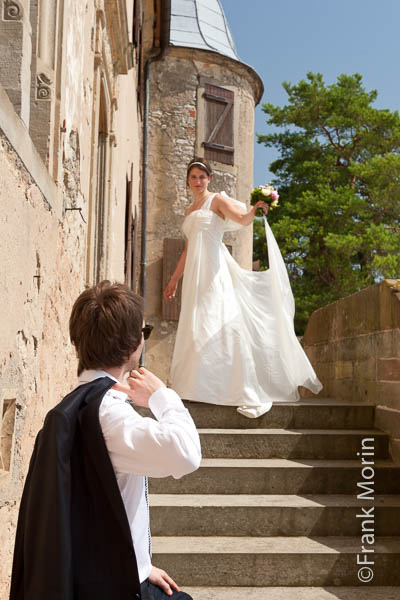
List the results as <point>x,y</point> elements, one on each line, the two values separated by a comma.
<point>163,580</point>
<point>142,384</point>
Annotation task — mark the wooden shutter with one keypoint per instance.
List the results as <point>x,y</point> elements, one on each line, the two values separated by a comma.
<point>131,237</point>
<point>173,249</point>
<point>218,142</point>
<point>128,232</point>
<point>137,22</point>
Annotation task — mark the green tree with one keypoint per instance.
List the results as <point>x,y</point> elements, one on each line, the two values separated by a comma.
<point>338,177</point>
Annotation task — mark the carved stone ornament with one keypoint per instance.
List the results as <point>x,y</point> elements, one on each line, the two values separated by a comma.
<point>43,87</point>
<point>12,10</point>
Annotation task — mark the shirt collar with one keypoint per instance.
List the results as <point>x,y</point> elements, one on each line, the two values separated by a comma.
<point>92,374</point>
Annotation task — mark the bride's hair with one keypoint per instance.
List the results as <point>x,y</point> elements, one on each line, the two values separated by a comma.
<point>199,163</point>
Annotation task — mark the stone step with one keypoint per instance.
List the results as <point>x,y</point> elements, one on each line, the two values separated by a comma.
<point>295,593</point>
<point>263,515</point>
<point>299,443</point>
<point>308,413</point>
<point>281,476</point>
<point>275,561</point>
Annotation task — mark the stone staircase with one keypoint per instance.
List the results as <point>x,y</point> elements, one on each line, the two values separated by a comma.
<point>271,513</point>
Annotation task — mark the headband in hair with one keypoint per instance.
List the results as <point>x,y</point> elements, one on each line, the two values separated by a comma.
<point>199,163</point>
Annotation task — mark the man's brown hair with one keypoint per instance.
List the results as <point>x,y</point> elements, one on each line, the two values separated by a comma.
<point>106,325</point>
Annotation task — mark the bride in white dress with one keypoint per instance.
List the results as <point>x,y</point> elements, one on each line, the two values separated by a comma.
<point>235,344</point>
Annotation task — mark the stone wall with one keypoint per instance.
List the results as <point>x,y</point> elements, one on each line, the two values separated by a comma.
<point>175,136</point>
<point>42,271</point>
<point>354,346</point>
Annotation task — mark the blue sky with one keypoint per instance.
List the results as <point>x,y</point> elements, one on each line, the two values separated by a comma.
<point>283,39</point>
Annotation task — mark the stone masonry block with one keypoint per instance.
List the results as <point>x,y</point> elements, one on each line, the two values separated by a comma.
<point>358,347</point>
<point>328,390</point>
<point>389,369</point>
<point>365,346</point>
<point>342,389</point>
<point>325,371</point>
<point>326,352</point>
<point>388,393</point>
<point>388,419</point>
<point>11,46</point>
<point>396,342</point>
<point>312,353</point>
<point>344,369</point>
<point>386,343</point>
<point>347,349</point>
<point>365,369</point>
<point>322,325</point>
<point>365,391</point>
<point>358,313</point>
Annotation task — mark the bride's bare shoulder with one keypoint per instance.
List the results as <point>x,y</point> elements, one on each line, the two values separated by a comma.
<point>222,197</point>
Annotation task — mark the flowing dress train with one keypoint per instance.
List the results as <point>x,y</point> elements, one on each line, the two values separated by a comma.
<point>235,343</point>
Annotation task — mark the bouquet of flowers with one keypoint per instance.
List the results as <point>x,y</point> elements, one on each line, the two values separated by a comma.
<point>266,193</point>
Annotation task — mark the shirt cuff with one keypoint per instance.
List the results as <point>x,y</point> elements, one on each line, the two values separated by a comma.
<point>164,399</point>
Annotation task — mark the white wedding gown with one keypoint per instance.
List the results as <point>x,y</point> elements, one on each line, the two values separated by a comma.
<point>235,343</point>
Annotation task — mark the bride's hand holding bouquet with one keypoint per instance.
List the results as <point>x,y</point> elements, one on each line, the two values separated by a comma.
<point>265,197</point>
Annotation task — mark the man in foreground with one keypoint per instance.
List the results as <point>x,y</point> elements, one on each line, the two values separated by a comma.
<point>83,529</point>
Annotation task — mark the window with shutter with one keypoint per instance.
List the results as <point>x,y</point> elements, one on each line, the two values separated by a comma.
<point>173,249</point>
<point>218,142</point>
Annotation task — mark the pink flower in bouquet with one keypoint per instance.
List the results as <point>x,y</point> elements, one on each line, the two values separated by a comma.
<point>274,195</point>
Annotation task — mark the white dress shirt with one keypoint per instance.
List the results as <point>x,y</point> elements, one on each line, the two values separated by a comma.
<point>141,446</point>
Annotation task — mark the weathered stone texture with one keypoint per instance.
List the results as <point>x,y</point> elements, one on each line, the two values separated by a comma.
<point>354,345</point>
<point>389,369</point>
<point>15,55</point>
<point>41,274</point>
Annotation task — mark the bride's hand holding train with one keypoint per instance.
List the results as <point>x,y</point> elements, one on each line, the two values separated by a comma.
<point>170,290</point>
<point>172,285</point>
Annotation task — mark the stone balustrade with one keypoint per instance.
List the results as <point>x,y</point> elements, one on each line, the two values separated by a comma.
<point>354,346</point>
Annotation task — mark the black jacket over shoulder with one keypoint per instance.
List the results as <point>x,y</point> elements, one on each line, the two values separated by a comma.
<point>73,539</point>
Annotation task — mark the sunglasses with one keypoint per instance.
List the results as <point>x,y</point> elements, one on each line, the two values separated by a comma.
<point>147,329</point>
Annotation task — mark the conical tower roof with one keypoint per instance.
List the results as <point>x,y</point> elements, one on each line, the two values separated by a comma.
<point>201,24</point>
